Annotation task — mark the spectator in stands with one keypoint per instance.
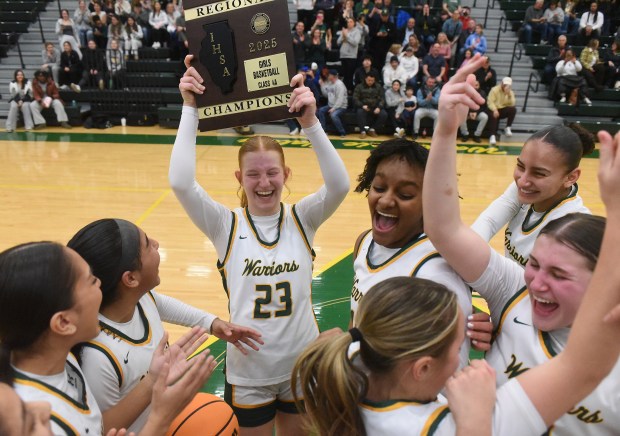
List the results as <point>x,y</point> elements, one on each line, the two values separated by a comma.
<point>122,9</point>
<point>502,104</point>
<point>346,13</point>
<point>100,32</point>
<point>316,47</point>
<point>408,30</point>
<point>611,57</point>
<point>369,101</point>
<point>571,22</point>
<point>591,23</point>
<point>158,21</point>
<point>433,65</point>
<point>404,115</point>
<point>427,26</point>
<point>428,102</point>
<point>361,25</point>
<point>366,69</point>
<point>99,13</point>
<point>70,68</point>
<point>382,36</point>
<point>172,14</point>
<point>534,21</point>
<point>452,5</point>
<point>108,6</point>
<point>478,116</point>
<point>418,49</point>
<point>115,62</point>
<point>394,98</point>
<point>467,31</point>
<point>593,66</point>
<point>466,58</point>
<point>554,16</point>
<point>466,16</point>
<point>147,5</point>
<point>445,48</point>
<point>477,42</point>
<point>45,95</point>
<point>93,67</point>
<point>411,66</point>
<point>183,43</point>
<point>305,11</point>
<point>393,72</point>
<point>568,78</point>
<point>141,17</point>
<point>349,40</point>
<point>394,50</point>
<point>319,23</point>
<point>387,4</point>
<point>116,30</point>
<point>555,55</point>
<point>81,18</point>
<point>65,29</point>
<point>20,93</point>
<point>299,46</point>
<point>134,37</point>
<point>327,8</point>
<point>51,60</point>
<point>486,76</point>
<point>337,96</point>
<point>453,28</point>
<point>363,8</point>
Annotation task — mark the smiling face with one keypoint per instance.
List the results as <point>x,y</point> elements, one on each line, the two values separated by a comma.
<point>262,177</point>
<point>542,176</point>
<point>395,203</point>
<point>557,278</point>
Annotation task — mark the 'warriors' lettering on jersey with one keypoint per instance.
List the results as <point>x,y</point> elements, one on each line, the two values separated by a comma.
<point>253,267</point>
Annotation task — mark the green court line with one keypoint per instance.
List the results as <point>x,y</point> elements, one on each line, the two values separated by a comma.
<point>285,141</point>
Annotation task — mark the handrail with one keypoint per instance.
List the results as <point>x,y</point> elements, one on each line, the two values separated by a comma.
<point>533,75</point>
<point>59,9</point>
<point>515,56</point>
<point>19,49</point>
<point>41,29</point>
<point>503,20</point>
<point>490,5</point>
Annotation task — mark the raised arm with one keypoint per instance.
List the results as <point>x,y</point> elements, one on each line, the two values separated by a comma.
<point>594,342</point>
<point>466,252</point>
<point>211,217</point>
<point>498,213</point>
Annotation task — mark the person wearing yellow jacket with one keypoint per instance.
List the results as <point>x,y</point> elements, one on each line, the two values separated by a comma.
<point>502,104</point>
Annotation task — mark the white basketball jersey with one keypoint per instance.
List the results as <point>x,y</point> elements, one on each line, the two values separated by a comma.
<point>514,415</point>
<point>524,227</point>
<point>74,410</point>
<point>519,346</point>
<point>269,289</point>
<point>419,259</point>
<point>119,357</point>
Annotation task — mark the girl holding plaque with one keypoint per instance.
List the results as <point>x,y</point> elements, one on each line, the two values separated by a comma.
<point>265,254</point>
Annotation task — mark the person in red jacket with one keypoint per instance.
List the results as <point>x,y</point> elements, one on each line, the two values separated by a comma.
<point>45,93</point>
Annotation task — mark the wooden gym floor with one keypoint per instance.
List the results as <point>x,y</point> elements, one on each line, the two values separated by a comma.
<point>54,182</point>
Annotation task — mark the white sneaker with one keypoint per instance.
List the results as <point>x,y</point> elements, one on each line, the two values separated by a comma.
<point>301,132</point>
<point>492,140</point>
<point>563,99</point>
<point>587,101</point>
<point>294,132</point>
<point>76,88</point>
<point>156,45</point>
<point>507,131</point>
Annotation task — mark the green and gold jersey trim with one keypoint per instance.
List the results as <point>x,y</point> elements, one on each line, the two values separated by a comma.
<point>110,356</point>
<point>150,294</point>
<point>221,265</point>
<point>529,229</point>
<point>268,245</point>
<point>361,239</point>
<point>144,340</point>
<point>434,420</point>
<point>67,428</point>
<point>389,405</point>
<point>546,344</point>
<point>516,298</point>
<point>297,222</point>
<point>81,405</point>
<point>419,239</point>
<point>424,260</point>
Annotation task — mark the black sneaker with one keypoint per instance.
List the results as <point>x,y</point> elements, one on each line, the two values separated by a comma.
<point>66,125</point>
<point>477,139</point>
<point>464,138</point>
<point>40,126</point>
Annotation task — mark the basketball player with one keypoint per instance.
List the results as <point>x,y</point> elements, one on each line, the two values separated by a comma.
<point>544,188</point>
<point>265,255</point>
<point>49,300</point>
<point>534,309</point>
<point>115,363</point>
<point>396,245</point>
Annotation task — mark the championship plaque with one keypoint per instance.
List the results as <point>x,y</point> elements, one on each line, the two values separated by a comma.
<point>243,50</point>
